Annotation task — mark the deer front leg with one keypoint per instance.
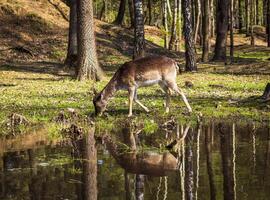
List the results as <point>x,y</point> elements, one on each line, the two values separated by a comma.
<point>179,91</point>
<point>131,92</point>
<point>138,102</point>
<point>168,100</point>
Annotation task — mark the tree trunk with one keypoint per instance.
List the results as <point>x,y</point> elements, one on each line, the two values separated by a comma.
<point>247,14</point>
<point>88,66</point>
<point>197,26</point>
<point>173,30</point>
<point>189,173</point>
<point>213,31</point>
<point>252,16</point>
<point>240,15</point>
<point>179,24</point>
<point>149,5</point>
<point>190,55</point>
<point>264,12</point>
<point>165,23</point>
<point>89,175</point>
<point>139,43</point>
<point>268,23</point>
<point>209,164</point>
<point>222,28</point>
<point>121,13</point>
<point>231,31</point>
<point>205,31</point>
<point>72,36</point>
<point>131,12</point>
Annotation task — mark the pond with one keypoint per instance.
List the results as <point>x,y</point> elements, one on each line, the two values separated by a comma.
<point>208,161</point>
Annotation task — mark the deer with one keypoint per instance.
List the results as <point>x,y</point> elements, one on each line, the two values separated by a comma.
<point>138,73</point>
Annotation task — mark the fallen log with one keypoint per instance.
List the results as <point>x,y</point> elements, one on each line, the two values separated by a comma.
<point>266,93</point>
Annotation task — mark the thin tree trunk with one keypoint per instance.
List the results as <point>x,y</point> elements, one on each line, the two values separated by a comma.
<point>88,66</point>
<point>222,28</point>
<point>198,21</point>
<point>212,26</point>
<point>72,36</point>
<point>179,24</point>
<point>190,55</point>
<point>240,15</point>
<point>169,8</point>
<point>247,15</point>
<point>205,31</point>
<point>231,31</point>
<point>257,13</point>
<point>149,5</point>
<point>268,23</point>
<point>208,150</point>
<point>264,12</point>
<point>189,173</point>
<point>131,12</point>
<point>121,13</point>
<point>165,23</point>
<point>252,41</point>
<point>173,30</point>
<point>139,42</point>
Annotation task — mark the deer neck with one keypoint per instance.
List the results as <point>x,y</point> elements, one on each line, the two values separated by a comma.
<point>108,92</point>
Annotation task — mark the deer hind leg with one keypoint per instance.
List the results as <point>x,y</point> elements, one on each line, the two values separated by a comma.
<point>138,102</point>
<point>168,92</point>
<point>180,92</point>
<point>131,92</point>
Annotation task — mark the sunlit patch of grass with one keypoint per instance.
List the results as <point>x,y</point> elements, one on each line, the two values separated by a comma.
<point>259,55</point>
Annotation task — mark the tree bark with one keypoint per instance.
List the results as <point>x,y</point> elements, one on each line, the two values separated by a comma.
<point>131,12</point>
<point>179,24</point>
<point>268,23</point>
<point>173,30</point>
<point>121,13</point>
<point>240,15</point>
<point>139,42</point>
<point>222,28</point>
<point>89,175</point>
<point>165,23</point>
<point>231,31</point>
<point>247,15</point>
<point>266,93</point>
<point>198,21</point>
<point>88,66</point>
<point>206,31</point>
<point>212,26</point>
<point>149,5</point>
<point>190,55</point>
<point>72,36</point>
<point>252,17</point>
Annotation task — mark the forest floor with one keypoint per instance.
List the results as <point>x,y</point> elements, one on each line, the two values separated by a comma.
<point>33,82</point>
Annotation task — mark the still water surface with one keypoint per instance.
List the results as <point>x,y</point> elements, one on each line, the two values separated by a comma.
<point>214,161</point>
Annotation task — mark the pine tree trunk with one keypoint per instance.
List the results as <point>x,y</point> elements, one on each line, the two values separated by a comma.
<point>231,31</point>
<point>213,31</point>
<point>264,12</point>
<point>149,5</point>
<point>205,30</point>
<point>240,20</point>
<point>247,14</point>
<point>165,23</point>
<point>131,13</point>
<point>222,28</point>
<point>252,41</point>
<point>190,55</point>
<point>198,21</point>
<point>88,66</point>
<point>139,42</point>
<point>72,36</point>
<point>268,23</point>
<point>173,30</point>
<point>121,13</point>
<point>179,5</point>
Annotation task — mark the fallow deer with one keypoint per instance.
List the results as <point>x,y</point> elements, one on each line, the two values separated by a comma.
<point>139,73</point>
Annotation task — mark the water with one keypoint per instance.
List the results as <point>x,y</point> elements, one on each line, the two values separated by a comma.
<point>214,161</point>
